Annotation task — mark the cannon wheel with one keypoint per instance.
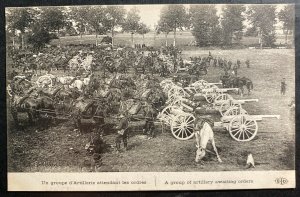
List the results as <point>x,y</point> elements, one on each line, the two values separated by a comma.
<point>166,114</point>
<point>220,99</point>
<point>165,82</point>
<point>9,90</point>
<point>234,111</point>
<point>210,96</point>
<point>227,105</point>
<point>182,126</point>
<point>199,85</point>
<point>167,87</point>
<point>179,103</point>
<point>242,128</point>
<point>40,83</point>
<point>177,91</point>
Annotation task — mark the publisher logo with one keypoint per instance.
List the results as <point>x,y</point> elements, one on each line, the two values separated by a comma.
<point>281,181</point>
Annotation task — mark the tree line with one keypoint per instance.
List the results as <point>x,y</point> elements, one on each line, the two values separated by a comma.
<point>42,24</point>
<point>209,29</point>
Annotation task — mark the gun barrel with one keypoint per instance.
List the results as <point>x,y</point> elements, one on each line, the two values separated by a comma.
<point>219,89</point>
<point>247,100</point>
<point>260,117</point>
<point>215,83</point>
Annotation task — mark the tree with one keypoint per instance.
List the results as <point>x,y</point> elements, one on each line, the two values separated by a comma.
<point>205,24</point>
<point>164,27</point>
<point>79,14</point>
<point>175,17</point>
<point>263,19</point>
<point>232,23</point>
<point>39,36</point>
<point>53,18</point>
<point>251,31</point>
<point>115,16</point>
<point>96,19</point>
<point>143,29</point>
<point>131,23</point>
<point>287,17</point>
<point>19,19</point>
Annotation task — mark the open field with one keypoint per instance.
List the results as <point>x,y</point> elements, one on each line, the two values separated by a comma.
<point>60,149</point>
<point>182,39</point>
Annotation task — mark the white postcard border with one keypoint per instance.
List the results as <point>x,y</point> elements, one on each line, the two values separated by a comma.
<point>151,181</point>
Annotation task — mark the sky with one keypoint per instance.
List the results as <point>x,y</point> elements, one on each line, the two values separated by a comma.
<point>150,14</point>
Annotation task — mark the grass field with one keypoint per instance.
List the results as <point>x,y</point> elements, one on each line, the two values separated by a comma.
<point>182,39</point>
<point>60,149</point>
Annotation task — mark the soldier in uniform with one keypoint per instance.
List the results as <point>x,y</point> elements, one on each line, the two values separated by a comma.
<point>238,62</point>
<point>248,63</point>
<point>283,86</point>
<point>229,64</point>
<point>122,132</point>
<point>235,69</point>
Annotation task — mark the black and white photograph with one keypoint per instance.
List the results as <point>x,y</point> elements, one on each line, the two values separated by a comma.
<point>162,88</point>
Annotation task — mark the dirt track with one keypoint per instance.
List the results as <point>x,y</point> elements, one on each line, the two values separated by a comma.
<point>60,149</point>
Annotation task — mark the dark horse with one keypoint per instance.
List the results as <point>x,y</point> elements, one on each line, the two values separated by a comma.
<point>36,108</point>
<point>237,82</point>
<point>248,83</point>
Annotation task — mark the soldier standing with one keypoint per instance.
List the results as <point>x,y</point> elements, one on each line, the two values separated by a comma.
<point>235,69</point>
<point>238,62</point>
<point>283,86</point>
<point>122,132</point>
<point>248,63</point>
<point>229,64</point>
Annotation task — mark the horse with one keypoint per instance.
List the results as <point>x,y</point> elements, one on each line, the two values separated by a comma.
<point>248,83</point>
<point>204,133</point>
<point>25,104</point>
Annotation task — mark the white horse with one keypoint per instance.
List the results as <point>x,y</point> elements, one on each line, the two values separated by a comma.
<point>203,135</point>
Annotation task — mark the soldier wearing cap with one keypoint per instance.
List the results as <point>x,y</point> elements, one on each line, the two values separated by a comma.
<point>122,132</point>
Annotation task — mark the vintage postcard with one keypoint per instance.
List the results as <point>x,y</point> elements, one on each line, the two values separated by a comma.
<point>150,97</point>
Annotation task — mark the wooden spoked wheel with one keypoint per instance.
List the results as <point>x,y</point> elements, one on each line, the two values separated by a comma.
<point>9,90</point>
<point>199,85</point>
<point>44,80</point>
<point>227,105</point>
<point>190,90</point>
<point>167,114</point>
<point>242,128</point>
<point>234,111</point>
<point>172,98</point>
<point>220,99</point>
<point>211,95</point>
<point>182,126</point>
<point>167,87</point>
<point>180,103</point>
<point>175,90</point>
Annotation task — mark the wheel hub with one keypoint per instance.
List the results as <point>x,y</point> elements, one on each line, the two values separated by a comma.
<point>243,127</point>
